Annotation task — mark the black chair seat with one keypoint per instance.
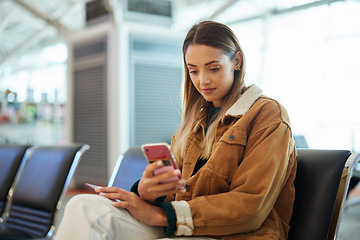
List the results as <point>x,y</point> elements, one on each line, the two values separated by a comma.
<point>128,169</point>
<point>10,159</point>
<point>8,233</point>
<point>38,190</point>
<point>318,185</point>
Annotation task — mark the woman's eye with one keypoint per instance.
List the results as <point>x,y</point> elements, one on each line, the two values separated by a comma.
<point>214,69</point>
<point>192,71</point>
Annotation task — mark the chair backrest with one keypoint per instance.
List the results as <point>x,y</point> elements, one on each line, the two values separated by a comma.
<point>319,174</point>
<point>39,188</point>
<point>128,169</point>
<point>10,160</point>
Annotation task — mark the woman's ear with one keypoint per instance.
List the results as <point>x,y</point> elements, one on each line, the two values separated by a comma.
<point>238,60</point>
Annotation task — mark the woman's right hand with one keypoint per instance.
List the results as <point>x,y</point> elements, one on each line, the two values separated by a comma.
<point>150,188</point>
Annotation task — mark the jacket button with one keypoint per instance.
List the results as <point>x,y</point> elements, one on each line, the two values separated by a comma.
<point>231,137</point>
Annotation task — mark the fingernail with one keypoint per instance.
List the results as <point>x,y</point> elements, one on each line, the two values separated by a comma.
<point>102,194</point>
<point>97,189</point>
<point>177,172</point>
<point>159,163</point>
<point>183,190</point>
<point>182,181</point>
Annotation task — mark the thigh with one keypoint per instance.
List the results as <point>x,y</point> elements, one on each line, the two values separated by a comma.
<point>94,217</point>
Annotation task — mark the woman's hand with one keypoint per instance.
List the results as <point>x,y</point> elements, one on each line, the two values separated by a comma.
<point>138,208</point>
<point>150,187</point>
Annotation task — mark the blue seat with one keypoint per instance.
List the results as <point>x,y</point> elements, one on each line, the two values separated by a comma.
<point>38,190</point>
<point>128,169</point>
<point>10,160</point>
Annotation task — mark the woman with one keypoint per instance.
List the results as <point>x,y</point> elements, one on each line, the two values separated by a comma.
<point>235,151</point>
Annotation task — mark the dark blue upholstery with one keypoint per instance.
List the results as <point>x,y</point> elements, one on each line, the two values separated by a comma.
<point>38,190</point>
<point>316,185</point>
<point>128,169</point>
<point>10,160</point>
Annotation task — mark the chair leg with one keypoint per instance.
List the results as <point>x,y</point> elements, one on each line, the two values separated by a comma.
<point>340,197</point>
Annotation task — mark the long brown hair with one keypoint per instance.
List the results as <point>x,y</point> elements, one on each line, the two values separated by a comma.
<point>195,107</point>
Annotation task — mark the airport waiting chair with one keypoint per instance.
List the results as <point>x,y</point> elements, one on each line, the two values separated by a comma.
<point>355,177</point>
<point>128,169</point>
<point>10,160</point>
<point>321,186</point>
<point>38,191</point>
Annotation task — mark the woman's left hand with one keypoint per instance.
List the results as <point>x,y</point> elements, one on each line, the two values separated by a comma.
<point>138,208</point>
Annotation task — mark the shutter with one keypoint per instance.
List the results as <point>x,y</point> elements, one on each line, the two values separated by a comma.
<point>90,110</point>
<point>156,79</point>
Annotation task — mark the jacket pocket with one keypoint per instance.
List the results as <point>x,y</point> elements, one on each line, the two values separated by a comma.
<point>236,136</point>
<point>228,154</point>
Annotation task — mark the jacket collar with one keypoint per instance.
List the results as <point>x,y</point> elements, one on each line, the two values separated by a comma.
<point>246,100</point>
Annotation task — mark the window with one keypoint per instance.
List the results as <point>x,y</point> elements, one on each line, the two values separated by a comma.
<point>309,61</point>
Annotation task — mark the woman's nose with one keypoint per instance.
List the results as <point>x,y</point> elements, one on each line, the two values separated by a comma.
<point>204,79</point>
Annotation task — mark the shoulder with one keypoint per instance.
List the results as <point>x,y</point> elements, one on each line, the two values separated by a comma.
<point>267,104</point>
<point>268,111</point>
<point>254,108</point>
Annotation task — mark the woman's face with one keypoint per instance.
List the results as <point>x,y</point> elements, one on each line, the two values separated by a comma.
<point>211,71</point>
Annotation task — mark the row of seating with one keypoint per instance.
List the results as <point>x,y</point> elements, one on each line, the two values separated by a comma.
<point>33,183</point>
<point>321,186</point>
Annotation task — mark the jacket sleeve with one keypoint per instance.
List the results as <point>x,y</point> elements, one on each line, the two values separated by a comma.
<point>254,188</point>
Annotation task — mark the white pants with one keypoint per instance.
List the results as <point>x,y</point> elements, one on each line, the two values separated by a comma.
<point>92,217</point>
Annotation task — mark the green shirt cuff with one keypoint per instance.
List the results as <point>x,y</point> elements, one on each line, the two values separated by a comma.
<point>171,219</point>
<point>134,188</point>
<point>158,201</point>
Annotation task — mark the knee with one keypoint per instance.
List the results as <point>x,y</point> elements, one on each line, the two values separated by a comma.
<point>83,200</point>
<point>77,199</point>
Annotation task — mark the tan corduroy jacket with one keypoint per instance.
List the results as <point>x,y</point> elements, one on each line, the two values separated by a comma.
<point>245,190</point>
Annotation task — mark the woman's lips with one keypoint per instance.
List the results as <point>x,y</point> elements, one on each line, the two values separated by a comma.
<point>208,90</point>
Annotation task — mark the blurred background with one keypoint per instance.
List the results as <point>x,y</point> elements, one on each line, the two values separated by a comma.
<point>108,72</point>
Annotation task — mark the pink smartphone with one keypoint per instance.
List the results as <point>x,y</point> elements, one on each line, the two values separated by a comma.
<point>93,186</point>
<point>161,152</point>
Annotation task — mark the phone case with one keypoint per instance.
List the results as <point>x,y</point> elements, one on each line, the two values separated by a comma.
<point>91,186</point>
<point>161,151</point>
